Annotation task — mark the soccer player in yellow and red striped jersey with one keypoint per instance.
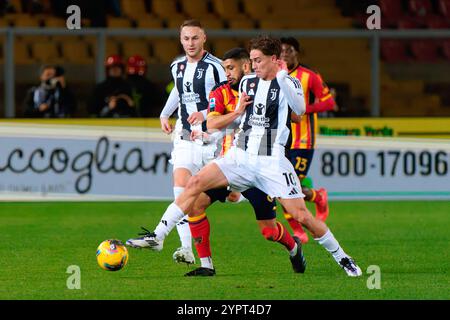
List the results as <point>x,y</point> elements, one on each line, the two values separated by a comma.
<point>318,99</point>
<point>223,100</point>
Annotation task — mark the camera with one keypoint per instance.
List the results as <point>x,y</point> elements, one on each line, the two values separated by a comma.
<point>51,84</point>
<point>54,82</point>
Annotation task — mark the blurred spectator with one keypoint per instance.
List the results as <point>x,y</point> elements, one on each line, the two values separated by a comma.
<point>112,97</point>
<point>52,98</point>
<point>33,6</point>
<point>146,96</point>
<point>114,7</point>
<point>6,7</point>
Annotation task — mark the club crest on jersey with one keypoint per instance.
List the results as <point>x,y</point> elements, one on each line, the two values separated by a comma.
<point>200,73</point>
<point>259,109</point>
<point>187,86</point>
<point>273,93</point>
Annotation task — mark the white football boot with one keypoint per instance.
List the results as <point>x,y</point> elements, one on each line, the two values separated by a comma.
<point>147,241</point>
<point>350,267</point>
<point>184,255</point>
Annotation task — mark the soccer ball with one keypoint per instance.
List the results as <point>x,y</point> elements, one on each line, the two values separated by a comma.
<point>112,255</point>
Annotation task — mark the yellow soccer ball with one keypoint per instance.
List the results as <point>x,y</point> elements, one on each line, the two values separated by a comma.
<point>112,255</point>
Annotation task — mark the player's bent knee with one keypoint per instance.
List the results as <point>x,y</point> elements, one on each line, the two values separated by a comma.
<point>194,184</point>
<point>301,215</point>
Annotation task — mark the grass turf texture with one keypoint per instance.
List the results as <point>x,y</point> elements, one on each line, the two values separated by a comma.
<point>409,241</point>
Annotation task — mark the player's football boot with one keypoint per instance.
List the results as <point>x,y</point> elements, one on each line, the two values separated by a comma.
<point>350,267</point>
<point>301,234</point>
<point>184,255</point>
<point>147,240</point>
<point>322,205</point>
<point>298,261</point>
<point>201,272</point>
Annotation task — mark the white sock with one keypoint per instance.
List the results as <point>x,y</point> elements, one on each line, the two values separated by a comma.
<point>329,242</point>
<point>169,219</point>
<point>184,232</point>
<point>293,252</point>
<point>241,198</point>
<point>177,191</point>
<point>207,262</point>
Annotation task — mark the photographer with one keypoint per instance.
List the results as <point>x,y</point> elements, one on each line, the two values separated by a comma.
<point>112,97</point>
<point>52,98</point>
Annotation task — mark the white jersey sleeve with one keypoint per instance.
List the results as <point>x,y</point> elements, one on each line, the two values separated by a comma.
<point>292,89</point>
<point>171,104</point>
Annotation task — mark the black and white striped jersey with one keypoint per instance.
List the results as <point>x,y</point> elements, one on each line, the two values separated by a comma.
<point>194,81</point>
<point>265,126</point>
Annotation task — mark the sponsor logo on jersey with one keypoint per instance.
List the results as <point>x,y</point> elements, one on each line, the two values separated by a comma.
<point>190,97</point>
<point>259,109</point>
<point>258,119</point>
<point>212,104</point>
<point>251,92</point>
<point>188,86</point>
<point>180,75</point>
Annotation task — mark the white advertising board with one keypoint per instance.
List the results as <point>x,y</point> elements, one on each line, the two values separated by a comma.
<point>54,162</point>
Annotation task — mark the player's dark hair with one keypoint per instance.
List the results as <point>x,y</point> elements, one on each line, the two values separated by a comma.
<point>236,54</point>
<point>191,23</point>
<point>291,41</point>
<point>267,45</point>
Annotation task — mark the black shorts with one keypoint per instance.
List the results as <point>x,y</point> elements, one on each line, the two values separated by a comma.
<point>301,160</point>
<point>264,206</point>
<point>219,194</point>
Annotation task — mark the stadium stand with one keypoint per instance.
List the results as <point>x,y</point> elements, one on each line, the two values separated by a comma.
<point>347,68</point>
<point>229,10</point>
<point>444,8</point>
<point>394,51</point>
<point>76,52</point>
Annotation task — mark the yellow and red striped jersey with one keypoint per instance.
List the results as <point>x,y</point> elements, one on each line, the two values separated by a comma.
<point>223,100</point>
<point>318,99</point>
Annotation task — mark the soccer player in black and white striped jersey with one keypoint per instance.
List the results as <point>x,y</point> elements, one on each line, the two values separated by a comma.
<point>194,74</point>
<point>258,158</point>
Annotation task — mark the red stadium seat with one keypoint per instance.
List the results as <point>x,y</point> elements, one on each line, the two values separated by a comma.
<point>424,50</point>
<point>444,8</point>
<point>422,11</point>
<point>393,51</point>
<point>437,23</point>
<point>445,45</point>
<point>408,23</point>
<point>420,8</point>
<point>391,10</point>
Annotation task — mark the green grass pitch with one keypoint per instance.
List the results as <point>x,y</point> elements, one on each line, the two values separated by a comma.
<point>409,241</point>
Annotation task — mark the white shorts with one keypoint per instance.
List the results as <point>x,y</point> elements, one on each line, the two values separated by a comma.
<point>191,156</point>
<point>274,175</point>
